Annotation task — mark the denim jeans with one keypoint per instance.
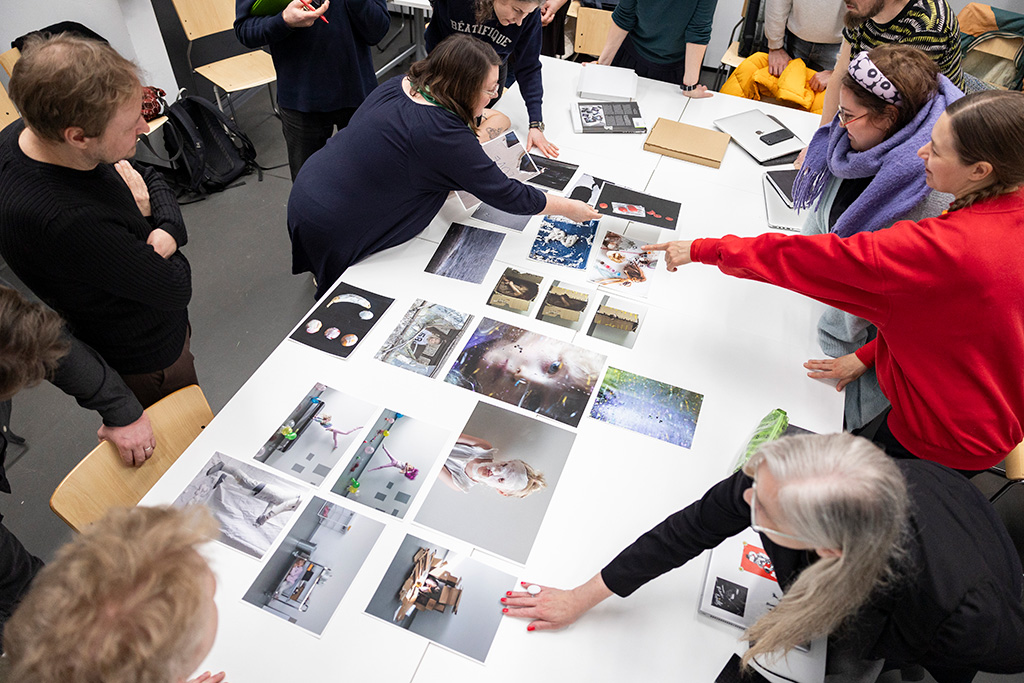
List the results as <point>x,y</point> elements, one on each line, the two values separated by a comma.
<point>306,132</point>
<point>817,56</point>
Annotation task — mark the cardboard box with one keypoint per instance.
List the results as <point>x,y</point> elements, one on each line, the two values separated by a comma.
<point>689,143</point>
<point>554,310</point>
<point>617,318</point>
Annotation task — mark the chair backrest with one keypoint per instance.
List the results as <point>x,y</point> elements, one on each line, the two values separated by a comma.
<point>591,30</point>
<point>201,18</point>
<point>8,113</point>
<point>102,481</point>
<point>7,59</point>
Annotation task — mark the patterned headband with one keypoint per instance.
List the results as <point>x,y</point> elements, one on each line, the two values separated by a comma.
<point>864,71</point>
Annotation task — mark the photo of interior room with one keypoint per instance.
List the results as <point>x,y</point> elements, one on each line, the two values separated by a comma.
<point>311,570</point>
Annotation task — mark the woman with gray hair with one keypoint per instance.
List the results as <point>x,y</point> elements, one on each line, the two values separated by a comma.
<point>900,563</point>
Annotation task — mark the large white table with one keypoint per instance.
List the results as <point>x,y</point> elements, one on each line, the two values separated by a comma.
<point>741,344</point>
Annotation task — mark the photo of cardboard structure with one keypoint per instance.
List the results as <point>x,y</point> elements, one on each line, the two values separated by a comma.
<point>515,291</point>
<point>443,596</point>
<point>617,321</point>
<point>564,305</point>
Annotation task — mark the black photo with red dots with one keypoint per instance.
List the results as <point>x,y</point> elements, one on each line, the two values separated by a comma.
<point>622,202</point>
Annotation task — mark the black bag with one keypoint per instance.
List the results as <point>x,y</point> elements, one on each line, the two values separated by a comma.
<point>206,149</point>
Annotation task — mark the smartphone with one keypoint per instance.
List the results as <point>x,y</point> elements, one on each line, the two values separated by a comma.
<point>777,136</point>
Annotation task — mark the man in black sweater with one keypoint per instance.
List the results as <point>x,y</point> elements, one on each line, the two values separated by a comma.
<point>81,227</point>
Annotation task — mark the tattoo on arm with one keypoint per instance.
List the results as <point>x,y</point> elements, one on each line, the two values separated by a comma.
<point>492,133</point>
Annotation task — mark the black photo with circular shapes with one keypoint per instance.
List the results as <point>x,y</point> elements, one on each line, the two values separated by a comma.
<point>341,320</point>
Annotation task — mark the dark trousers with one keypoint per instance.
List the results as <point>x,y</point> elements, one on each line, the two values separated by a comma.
<point>306,132</point>
<point>628,58</point>
<point>817,56</point>
<point>884,439</point>
<point>552,36</point>
<point>17,569</point>
<point>153,386</point>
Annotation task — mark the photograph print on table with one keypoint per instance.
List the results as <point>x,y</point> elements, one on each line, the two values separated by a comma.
<point>587,189</point>
<point>489,214</point>
<point>621,264</point>
<point>342,319</point>
<point>622,202</point>
<point>309,573</point>
<point>553,173</point>
<point>503,466</point>
<point>532,371</point>
<point>465,253</point>
<point>516,291</point>
<point>617,321</point>
<point>508,154</point>
<point>561,242</point>
<point>312,438</point>
<point>648,407</point>
<point>564,305</point>
<point>442,596</point>
<point>251,505</point>
<point>387,470</point>
<point>424,337</point>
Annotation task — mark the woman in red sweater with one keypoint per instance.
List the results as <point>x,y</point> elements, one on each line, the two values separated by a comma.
<point>946,293</point>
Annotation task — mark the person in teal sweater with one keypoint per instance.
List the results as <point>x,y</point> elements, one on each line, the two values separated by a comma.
<point>661,39</point>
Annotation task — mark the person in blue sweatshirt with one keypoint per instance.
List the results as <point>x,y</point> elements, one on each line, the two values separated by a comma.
<point>324,68</point>
<point>513,29</point>
<point>380,181</point>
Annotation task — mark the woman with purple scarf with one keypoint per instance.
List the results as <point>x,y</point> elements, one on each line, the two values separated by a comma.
<point>862,174</point>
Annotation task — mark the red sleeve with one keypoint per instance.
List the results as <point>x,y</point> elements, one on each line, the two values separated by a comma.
<point>866,353</point>
<point>839,272</point>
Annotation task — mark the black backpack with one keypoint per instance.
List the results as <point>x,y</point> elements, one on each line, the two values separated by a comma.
<point>207,150</point>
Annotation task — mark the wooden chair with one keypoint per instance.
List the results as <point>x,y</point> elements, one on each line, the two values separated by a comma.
<point>591,30</point>
<point>7,59</point>
<point>102,480</point>
<point>8,113</point>
<point>201,18</point>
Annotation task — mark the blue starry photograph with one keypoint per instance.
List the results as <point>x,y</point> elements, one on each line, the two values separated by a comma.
<point>648,407</point>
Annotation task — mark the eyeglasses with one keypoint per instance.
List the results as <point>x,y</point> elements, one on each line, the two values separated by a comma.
<point>765,530</point>
<point>845,120</point>
<point>493,92</point>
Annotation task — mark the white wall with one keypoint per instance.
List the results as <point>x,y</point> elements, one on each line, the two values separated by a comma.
<point>728,13</point>
<point>129,25</point>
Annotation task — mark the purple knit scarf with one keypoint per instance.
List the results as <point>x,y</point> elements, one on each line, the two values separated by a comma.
<point>898,184</point>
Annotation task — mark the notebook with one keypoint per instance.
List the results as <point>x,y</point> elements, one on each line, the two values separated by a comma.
<point>780,215</point>
<point>607,117</point>
<point>607,83</point>
<point>763,137</point>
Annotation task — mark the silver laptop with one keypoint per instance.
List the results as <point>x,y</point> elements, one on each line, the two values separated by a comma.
<point>780,215</point>
<point>762,136</point>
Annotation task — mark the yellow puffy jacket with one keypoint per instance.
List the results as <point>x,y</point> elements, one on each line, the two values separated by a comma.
<point>752,81</point>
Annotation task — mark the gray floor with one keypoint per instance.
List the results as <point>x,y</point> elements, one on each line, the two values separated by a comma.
<point>244,301</point>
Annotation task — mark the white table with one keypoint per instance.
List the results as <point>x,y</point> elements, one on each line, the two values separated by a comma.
<point>739,343</point>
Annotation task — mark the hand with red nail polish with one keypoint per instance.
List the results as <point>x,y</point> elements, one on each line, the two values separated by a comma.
<point>554,608</point>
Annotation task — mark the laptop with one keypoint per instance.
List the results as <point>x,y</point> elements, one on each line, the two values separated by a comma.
<point>762,136</point>
<point>780,215</point>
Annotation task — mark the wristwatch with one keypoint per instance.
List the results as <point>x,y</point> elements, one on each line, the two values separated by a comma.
<point>539,125</point>
<point>688,88</point>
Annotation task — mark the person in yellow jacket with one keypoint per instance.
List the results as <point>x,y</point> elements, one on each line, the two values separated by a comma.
<point>754,81</point>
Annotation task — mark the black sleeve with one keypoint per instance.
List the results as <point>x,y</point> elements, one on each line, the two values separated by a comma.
<point>82,373</point>
<point>163,205</point>
<point>721,513</point>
